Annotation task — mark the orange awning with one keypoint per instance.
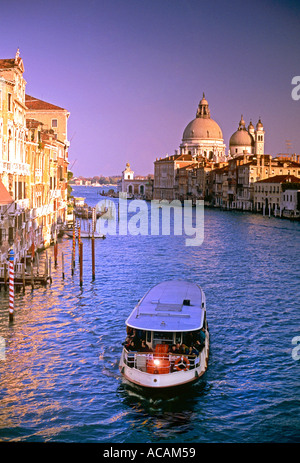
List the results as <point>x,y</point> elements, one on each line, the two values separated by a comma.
<point>5,197</point>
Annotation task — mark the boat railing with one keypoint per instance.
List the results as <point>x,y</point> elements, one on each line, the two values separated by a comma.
<point>151,362</point>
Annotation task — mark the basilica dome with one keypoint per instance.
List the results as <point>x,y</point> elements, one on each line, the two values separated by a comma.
<point>202,127</point>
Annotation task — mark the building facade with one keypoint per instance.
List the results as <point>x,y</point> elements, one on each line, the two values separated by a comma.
<point>139,187</point>
<point>33,164</point>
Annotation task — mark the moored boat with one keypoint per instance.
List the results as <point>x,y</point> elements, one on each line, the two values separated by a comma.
<point>85,234</point>
<point>167,342</point>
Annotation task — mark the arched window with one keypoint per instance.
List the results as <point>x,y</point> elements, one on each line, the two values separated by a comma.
<point>141,189</point>
<point>130,189</point>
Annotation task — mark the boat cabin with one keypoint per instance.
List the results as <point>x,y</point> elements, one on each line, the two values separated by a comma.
<point>166,330</point>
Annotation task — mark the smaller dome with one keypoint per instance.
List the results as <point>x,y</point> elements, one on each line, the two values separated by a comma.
<point>241,138</point>
<point>250,126</point>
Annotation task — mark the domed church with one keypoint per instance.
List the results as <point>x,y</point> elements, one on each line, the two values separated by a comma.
<point>247,140</point>
<point>203,136</point>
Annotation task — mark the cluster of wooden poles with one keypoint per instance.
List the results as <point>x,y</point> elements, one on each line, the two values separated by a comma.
<point>47,276</point>
<point>80,248</point>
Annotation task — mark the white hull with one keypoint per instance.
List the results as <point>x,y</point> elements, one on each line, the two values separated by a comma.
<point>167,380</point>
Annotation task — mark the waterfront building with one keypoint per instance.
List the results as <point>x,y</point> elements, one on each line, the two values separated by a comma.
<point>290,200</point>
<point>14,170</point>
<point>33,164</point>
<point>202,140</point>
<point>165,170</point>
<point>135,186</point>
<point>270,194</point>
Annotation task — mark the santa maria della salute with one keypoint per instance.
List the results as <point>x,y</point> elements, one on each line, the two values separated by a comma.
<point>243,178</point>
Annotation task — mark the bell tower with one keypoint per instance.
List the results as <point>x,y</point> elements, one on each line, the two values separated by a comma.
<point>259,138</point>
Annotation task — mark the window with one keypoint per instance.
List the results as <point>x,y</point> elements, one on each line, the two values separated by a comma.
<point>9,102</point>
<point>54,123</point>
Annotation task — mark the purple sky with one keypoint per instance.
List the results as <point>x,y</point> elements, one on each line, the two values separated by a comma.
<point>132,72</point>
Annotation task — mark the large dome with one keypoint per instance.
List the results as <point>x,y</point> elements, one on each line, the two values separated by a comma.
<point>202,128</point>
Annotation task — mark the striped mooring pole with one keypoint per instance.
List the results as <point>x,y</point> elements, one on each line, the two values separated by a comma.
<point>11,285</point>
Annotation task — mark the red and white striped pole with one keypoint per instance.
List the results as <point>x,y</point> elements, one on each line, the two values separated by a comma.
<point>11,285</point>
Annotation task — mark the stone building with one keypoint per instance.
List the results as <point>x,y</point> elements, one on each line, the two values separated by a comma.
<point>33,164</point>
<point>270,193</point>
<point>14,170</point>
<point>135,186</point>
<point>202,140</point>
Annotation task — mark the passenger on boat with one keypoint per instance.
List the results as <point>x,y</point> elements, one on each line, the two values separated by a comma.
<point>192,351</point>
<point>144,347</point>
<point>173,349</point>
<point>132,346</point>
<point>135,337</point>
<point>199,345</point>
<point>178,349</point>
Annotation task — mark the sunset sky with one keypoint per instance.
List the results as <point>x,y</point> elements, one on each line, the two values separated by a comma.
<point>132,72</point>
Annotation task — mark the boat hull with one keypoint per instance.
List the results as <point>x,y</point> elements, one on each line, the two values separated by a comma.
<point>85,235</point>
<point>168,380</point>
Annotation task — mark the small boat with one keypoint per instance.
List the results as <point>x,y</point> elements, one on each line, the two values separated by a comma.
<point>84,234</point>
<point>167,342</point>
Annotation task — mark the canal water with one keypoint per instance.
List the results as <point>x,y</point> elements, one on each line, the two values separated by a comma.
<point>59,377</point>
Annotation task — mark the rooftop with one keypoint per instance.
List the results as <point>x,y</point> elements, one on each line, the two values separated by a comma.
<point>37,104</point>
<point>172,306</point>
<point>280,179</point>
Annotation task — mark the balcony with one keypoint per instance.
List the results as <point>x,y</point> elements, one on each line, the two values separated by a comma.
<point>38,174</point>
<point>55,193</point>
<point>18,168</point>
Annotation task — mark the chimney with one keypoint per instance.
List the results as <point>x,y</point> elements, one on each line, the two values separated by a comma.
<point>258,161</point>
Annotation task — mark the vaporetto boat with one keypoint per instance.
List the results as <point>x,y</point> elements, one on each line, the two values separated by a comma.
<point>167,342</point>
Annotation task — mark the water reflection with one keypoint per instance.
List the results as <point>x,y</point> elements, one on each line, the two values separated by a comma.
<point>60,379</point>
<point>164,413</point>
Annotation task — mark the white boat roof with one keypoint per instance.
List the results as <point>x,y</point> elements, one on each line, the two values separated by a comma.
<point>165,308</point>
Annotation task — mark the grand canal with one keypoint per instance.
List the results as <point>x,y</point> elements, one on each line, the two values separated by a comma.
<point>59,381</point>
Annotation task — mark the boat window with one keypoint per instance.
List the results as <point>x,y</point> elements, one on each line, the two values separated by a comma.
<point>148,336</point>
<point>177,338</point>
<point>162,336</point>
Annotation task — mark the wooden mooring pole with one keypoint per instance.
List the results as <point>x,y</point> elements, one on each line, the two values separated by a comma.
<point>62,266</point>
<point>23,275</point>
<point>5,277</point>
<point>93,257</point>
<point>81,263</point>
<point>55,251</point>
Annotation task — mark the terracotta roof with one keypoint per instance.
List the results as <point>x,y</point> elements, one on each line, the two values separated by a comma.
<point>33,123</point>
<point>280,179</point>
<point>5,197</point>
<point>9,63</point>
<point>176,157</point>
<point>36,104</point>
